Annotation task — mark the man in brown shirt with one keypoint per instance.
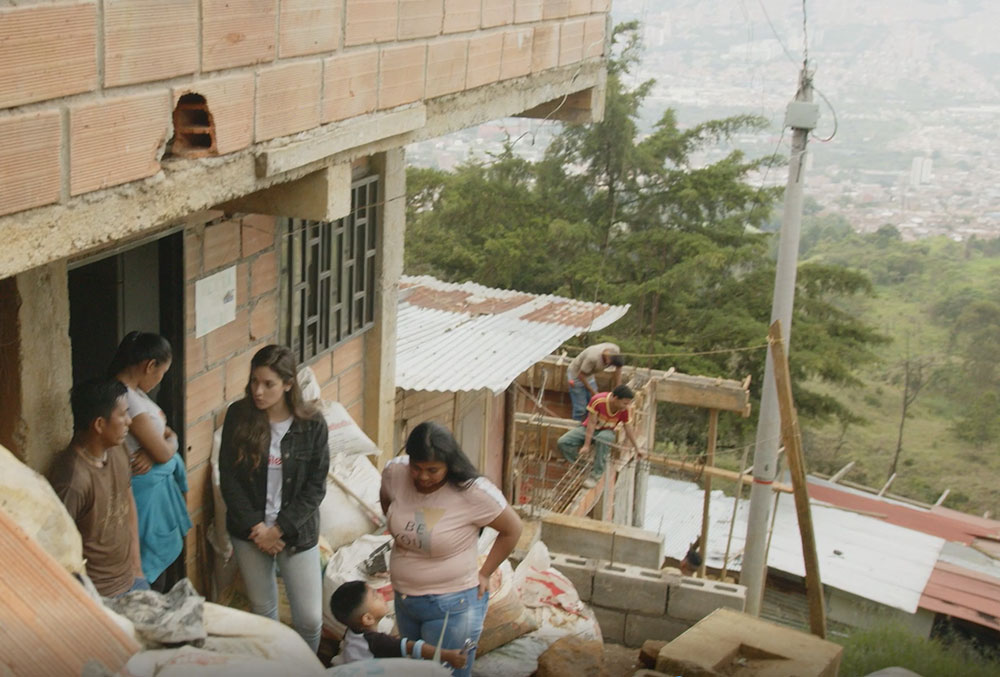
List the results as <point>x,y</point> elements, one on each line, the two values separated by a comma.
<point>93,479</point>
<point>580,374</point>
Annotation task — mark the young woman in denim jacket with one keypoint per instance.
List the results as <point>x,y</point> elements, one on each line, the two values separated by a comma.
<point>273,464</point>
<point>436,504</point>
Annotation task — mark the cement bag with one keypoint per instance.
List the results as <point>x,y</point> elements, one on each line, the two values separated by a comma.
<point>506,617</point>
<point>33,504</point>
<point>390,667</point>
<point>341,518</point>
<point>343,567</point>
<point>189,661</point>
<point>551,598</point>
<point>260,636</point>
<point>345,437</point>
<point>309,385</point>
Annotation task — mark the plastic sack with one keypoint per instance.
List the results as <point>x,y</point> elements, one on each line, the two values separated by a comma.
<point>341,519</point>
<point>345,436</point>
<point>345,566</point>
<point>506,618</point>
<point>33,504</point>
<point>309,385</point>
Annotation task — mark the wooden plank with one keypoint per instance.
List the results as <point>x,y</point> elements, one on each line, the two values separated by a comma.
<point>694,468</point>
<point>713,427</point>
<point>704,392</point>
<point>792,439</point>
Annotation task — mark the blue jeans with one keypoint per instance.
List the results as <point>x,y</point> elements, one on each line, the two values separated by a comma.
<point>421,617</point>
<point>303,583</point>
<point>579,396</point>
<point>571,441</point>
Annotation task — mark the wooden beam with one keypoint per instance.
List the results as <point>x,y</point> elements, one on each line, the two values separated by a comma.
<point>944,495</point>
<point>888,483</point>
<point>837,476</point>
<point>705,392</point>
<point>713,428</point>
<point>694,469</point>
<point>792,439</point>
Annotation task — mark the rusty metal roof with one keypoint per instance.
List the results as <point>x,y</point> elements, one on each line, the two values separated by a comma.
<point>464,337</point>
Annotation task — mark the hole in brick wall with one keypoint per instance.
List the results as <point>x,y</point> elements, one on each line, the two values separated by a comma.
<point>194,128</point>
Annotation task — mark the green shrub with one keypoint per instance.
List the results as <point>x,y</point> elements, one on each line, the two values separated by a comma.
<point>866,651</point>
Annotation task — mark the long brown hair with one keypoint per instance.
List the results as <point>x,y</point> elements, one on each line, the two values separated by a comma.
<point>252,435</point>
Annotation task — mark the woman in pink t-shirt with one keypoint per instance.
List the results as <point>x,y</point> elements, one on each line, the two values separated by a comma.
<point>436,504</point>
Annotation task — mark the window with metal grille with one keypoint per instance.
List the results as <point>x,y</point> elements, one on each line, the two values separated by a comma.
<point>328,275</point>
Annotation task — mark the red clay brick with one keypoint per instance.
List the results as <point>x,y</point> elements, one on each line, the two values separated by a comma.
<point>242,284</point>
<point>555,9</point>
<point>370,21</point>
<point>357,411</point>
<point>484,60</point>
<point>600,6</point>
<point>309,27</point>
<point>571,41</point>
<point>516,59</point>
<point>593,35</point>
<point>199,479</point>
<point>221,244</point>
<point>497,13</point>
<point>30,174</point>
<point>204,394</point>
<point>350,85</point>
<point>229,339</point>
<point>526,11</point>
<point>288,99</point>
<point>545,47</point>
<point>118,140</point>
<point>401,75</point>
<point>263,274</point>
<point>198,441</point>
<point>237,32</point>
<point>321,368</point>
<point>193,239</point>
<point>578,7</point>
<point>419,18</point>
<point>135,48</point>
<point>47,51</point>
<point>331,391</point>
<point>189,316</point>
<point>462,15</point>
<point>351,384</point>
<point>348,354</point>
<point>258,233</point>
<point>238,373</point>
<point>264,319</point>
<point>194,355</point>
<point>446,61</point>
<point>230,100</point>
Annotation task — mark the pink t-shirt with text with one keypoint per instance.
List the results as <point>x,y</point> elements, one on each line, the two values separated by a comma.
<point>434,551</point>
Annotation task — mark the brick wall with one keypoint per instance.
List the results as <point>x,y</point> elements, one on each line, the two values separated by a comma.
<point>86,95</point>
<point>217,365</point>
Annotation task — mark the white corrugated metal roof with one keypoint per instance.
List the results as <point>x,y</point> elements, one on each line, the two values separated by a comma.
<point>858,554</point>
<point>454,337</point>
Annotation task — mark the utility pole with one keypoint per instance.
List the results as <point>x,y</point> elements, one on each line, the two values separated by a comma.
<point>801,115</point>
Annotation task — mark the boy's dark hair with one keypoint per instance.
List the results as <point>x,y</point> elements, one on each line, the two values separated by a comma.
<point>616,360</point>
<point>348,602</point>
<point>93,399</point>
<point>623,392</point>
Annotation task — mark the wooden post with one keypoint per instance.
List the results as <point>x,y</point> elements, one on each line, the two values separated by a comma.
<point>792,439</point>
<point>713,429</point>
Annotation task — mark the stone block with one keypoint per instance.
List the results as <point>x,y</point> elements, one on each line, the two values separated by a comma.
<point>47,51</point>
<point>288,99</point>
<point>612,622</point>
<point>571,41</point>
<point>134,48</point>
<point>402,75</point>
<point>593,36</point>
<point>585,537</point>
<point>308,27</point>
<point>555,9</point>
<point>578,7</point>
<point>237,32</point>
<point>692,599</point>
<point>446,66</point>
<point>640,628</point>
<point>462,15</point>
<point>621,586</point>
<point>572,656</point>
<point>497,13</point>
<point>370,21</point>
<point>484,60</point>
<point>649,651</point>
<point>230,100</point>
<point>545,50</point>
<point>579,571</point>
<point>516,58</point>
<point>117,140</point>
<point>419,18</point>
<point>30,172</point>
<point>350,85</point>
<point>527,11</point>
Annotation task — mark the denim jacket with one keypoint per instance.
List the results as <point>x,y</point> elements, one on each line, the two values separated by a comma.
<point>304,464</point>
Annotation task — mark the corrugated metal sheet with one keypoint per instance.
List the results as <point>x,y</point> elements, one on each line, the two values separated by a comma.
<point>861,555</point>
<point>463,337</point>
<point>962,593</point>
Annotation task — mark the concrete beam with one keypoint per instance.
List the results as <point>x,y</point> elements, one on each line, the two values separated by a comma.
<point>577,108</point>
<point>704,392</point>
<point>321,196</point>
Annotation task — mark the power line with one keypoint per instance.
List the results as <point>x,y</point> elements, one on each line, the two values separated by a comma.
<point>775,32</point>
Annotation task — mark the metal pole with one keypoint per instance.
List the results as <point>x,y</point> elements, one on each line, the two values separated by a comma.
<point>754,564</point>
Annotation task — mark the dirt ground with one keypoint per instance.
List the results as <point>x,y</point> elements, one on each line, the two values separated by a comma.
<point>620,661</point>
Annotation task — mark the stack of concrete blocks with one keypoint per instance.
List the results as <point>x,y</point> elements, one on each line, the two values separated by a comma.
<point>616,569</point>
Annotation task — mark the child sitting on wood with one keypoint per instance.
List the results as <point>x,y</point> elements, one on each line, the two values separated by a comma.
<point>360,608</point>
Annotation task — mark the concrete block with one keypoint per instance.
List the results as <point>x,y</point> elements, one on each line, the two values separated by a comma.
<point>612,623</point>
<point>692,599</point>
<point>571,41</point>
<point>579,571</point>
<point>30,172</point>
<point>47,51</point>
<point>288,98</point>
<point>586,537</point>
<point>402,75</point>
<point>308,27</point>
<point>134,48</point>
<point>640,628</point>
<point>462,15</point>
<point>117,140</point>
<point>621,586</point>
<point>237,32</point>
<point>350,85</point>
<point>370,21</point>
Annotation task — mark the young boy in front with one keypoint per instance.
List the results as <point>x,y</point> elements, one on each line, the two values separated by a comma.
<point>360,608</point>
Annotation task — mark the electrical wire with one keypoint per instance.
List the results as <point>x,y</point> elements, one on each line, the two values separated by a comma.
<point>833,111</point>
<point>775,32</point>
